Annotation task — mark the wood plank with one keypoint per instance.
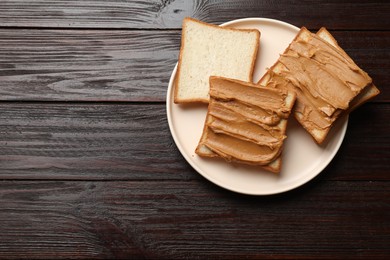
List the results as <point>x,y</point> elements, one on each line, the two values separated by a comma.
<point>133,142</point>
<point>81,141</point>
<point>101,65</point>
<point>86,65</point>
<point>351,15</point>
<point>186,219</point>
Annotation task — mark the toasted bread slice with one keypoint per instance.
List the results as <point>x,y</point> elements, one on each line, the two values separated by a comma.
<point>249,123</point>
<point>207,50</point>
<point>319,119</point>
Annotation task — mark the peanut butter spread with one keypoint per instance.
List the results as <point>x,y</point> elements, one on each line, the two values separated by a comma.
<point>325,79</point>
<point>243,122</point>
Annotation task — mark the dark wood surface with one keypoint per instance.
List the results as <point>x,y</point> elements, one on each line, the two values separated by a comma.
<point>88,168</point>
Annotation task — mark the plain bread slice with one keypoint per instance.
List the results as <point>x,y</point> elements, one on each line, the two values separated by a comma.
<point>207,50</point>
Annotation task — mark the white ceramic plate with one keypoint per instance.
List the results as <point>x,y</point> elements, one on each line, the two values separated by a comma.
<point>302,158</point>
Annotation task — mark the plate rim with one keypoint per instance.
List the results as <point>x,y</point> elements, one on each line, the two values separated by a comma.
<point>305,179</point>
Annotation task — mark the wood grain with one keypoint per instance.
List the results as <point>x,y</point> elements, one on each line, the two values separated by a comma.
<point>80,141</point>
<point>187,219</point>
<point>118,65</point>
<point>345,15</point>
<point>133,142</point>
<point>88,167</point>
<point>86,65</point>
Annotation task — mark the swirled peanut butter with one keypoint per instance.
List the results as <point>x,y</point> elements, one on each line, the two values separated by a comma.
<point>307,109</point>
<point>245,123</point>
<point>325,79</point>
<point>334,61</point>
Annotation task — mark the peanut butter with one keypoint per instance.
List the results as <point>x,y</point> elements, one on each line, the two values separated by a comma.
<point>235,149</point>
<point>243,123</point>
<point>325,79</point>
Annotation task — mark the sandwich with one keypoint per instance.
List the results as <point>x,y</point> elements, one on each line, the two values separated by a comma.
<point>327,82</point>
<point>245,123</point>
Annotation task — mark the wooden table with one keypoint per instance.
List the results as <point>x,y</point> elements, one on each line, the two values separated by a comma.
<point>88,166</point>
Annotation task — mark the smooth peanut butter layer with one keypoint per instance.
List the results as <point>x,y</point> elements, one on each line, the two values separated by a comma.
<point>324,78</point>
<point>245,123</point>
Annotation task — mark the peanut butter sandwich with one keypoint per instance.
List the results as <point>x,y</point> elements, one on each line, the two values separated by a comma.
<point>325,79</point>
<point>245,123</point>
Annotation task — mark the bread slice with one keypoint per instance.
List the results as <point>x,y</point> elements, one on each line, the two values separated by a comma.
<point>207,50</point>
<point>319,119</point>
<point>245,123</point>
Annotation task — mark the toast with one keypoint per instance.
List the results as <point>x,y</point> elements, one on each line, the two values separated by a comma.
<point>207,50</point>
<point>332,85</point>
<point>245,123</point>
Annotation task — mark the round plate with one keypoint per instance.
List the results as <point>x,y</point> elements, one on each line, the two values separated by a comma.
<point>302,158</point>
